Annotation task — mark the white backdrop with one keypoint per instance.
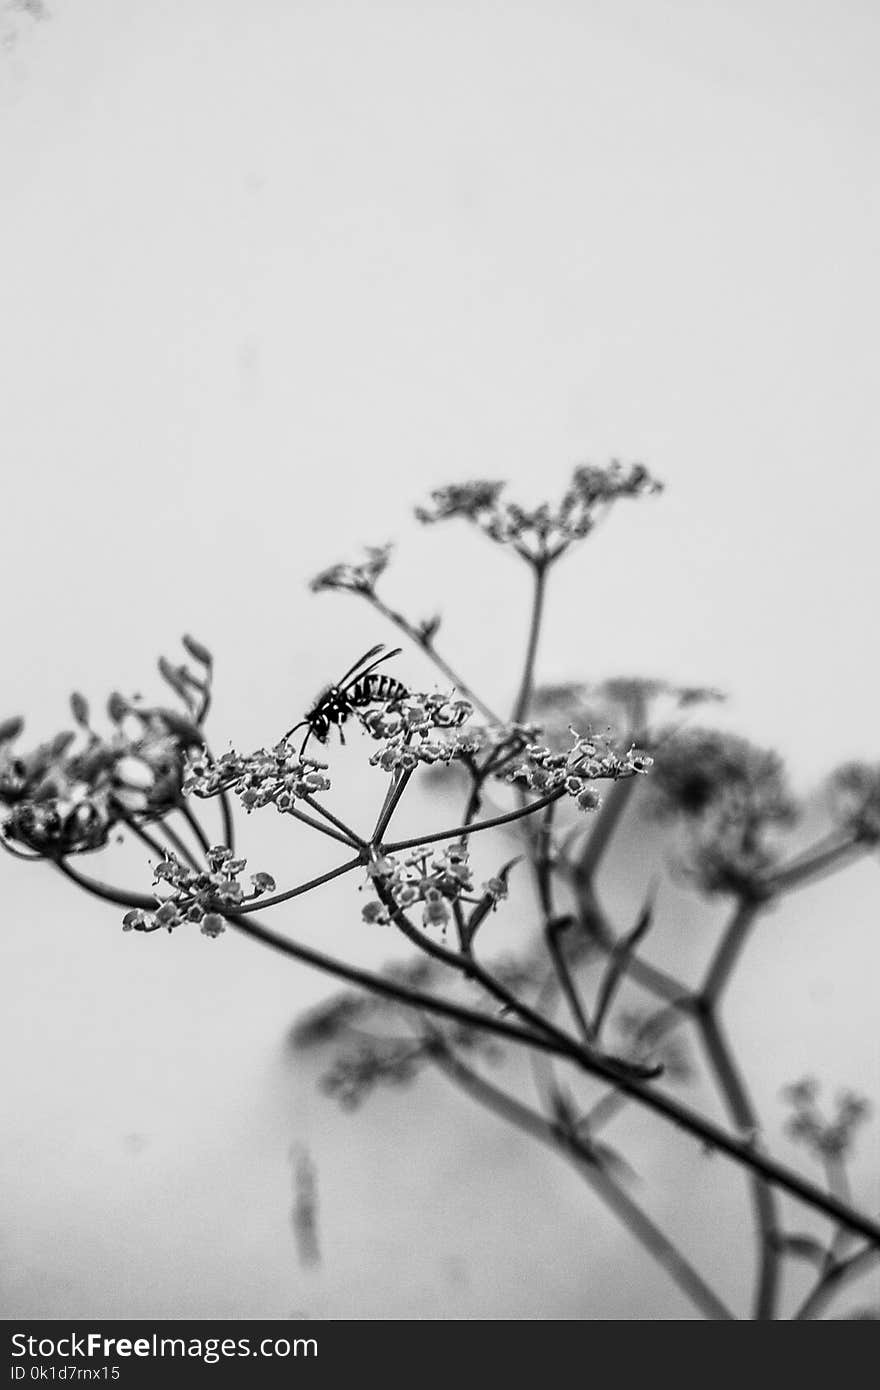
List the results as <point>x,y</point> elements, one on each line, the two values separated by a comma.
<point>268,272</point>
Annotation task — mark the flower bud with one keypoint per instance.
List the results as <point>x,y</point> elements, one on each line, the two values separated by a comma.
<point>79,707</point>
<point>196,650</point>
<point>117,707</point>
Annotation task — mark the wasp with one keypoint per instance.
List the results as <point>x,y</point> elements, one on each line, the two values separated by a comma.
<point>359,686</point>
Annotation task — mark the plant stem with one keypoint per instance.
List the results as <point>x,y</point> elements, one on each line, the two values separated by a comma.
<point>613,1101</point>
<point>388,988</point>
<point>259,905</point>
<point>227,821</point>
<point>552,933</point>
<point>729,950</point>
<point>810,866</point>
<point>742,1112</point>
<point>120,896</point>
<point>395,792</point>
<point>195,826</point>
<point>322,827</point>
<point>178,844</point>
<point>471,828</point>
<point>833,1279</point>
<point>703,1130</point>
<point>352,835</point>
<point>524,696</point>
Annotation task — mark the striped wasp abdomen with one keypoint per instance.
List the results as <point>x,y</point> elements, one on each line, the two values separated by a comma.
<point>359,687</point>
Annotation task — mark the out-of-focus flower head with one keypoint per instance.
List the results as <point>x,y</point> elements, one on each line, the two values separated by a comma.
<point>827,1139</point>
<point>730,796</point>
<point>204,897</point>
<point>358,1071</point>
<point>276,777</point>
<point>539,533</point>
<point>705,770</point>
<point>588,759</point>
<point>855,795</point>
<point>65,796</point>
<point>359,577</point>
<point>626,706</point>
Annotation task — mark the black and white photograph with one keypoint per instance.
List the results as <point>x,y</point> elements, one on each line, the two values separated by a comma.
<point>439,763</point>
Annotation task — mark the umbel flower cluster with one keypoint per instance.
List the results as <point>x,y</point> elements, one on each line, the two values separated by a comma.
<point>416,728</point>
<point>420,728</point>
<point>828,1139</point>
<point>587,760</point>
<point>539,533</point>
<point>643,708</point>
<point>276,777</point>
<point>357,578</point>
<point>204,897</point>
<point>66,796</point>
<point>431,878</point>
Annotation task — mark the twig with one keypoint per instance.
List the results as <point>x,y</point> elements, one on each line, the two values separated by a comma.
<point>471,828</point>
<point>833,1279</point>
<point>352,835</point>
<point>742,1113</point>
<point>260,904</point>
<point>120,896</point>
<point>524,696</point>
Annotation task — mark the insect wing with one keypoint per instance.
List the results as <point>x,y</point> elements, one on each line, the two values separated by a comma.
<point>357,674</point>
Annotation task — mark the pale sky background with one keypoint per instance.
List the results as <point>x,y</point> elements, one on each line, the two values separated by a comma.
<point>268,273</point>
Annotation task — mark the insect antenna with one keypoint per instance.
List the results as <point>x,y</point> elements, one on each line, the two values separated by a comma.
<point>300,725</point>
<point>374,651</point>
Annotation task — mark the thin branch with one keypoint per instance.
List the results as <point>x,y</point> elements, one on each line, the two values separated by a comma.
<point>227,821</point>
<point>395,792</point>
<point>653,1031</point>
<point>146,838</point>
<point>742,1112</point>
<point>552,934</point>
<point>834,1279</point>
<point>352,835</point>
<point>177,844</point>
<point>261,903</point>
<point>471,829</point>
<point>597,928</point>
<point>471,969</point>
<point>617,968</point>
<point>527,682</point>
<point>195,826</point>
<point>729,950</point>
<point>389,988</point>
<point>120,896</point>
<point>322,827</point>
<point>811,866</point>
<point>688,1120</point>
